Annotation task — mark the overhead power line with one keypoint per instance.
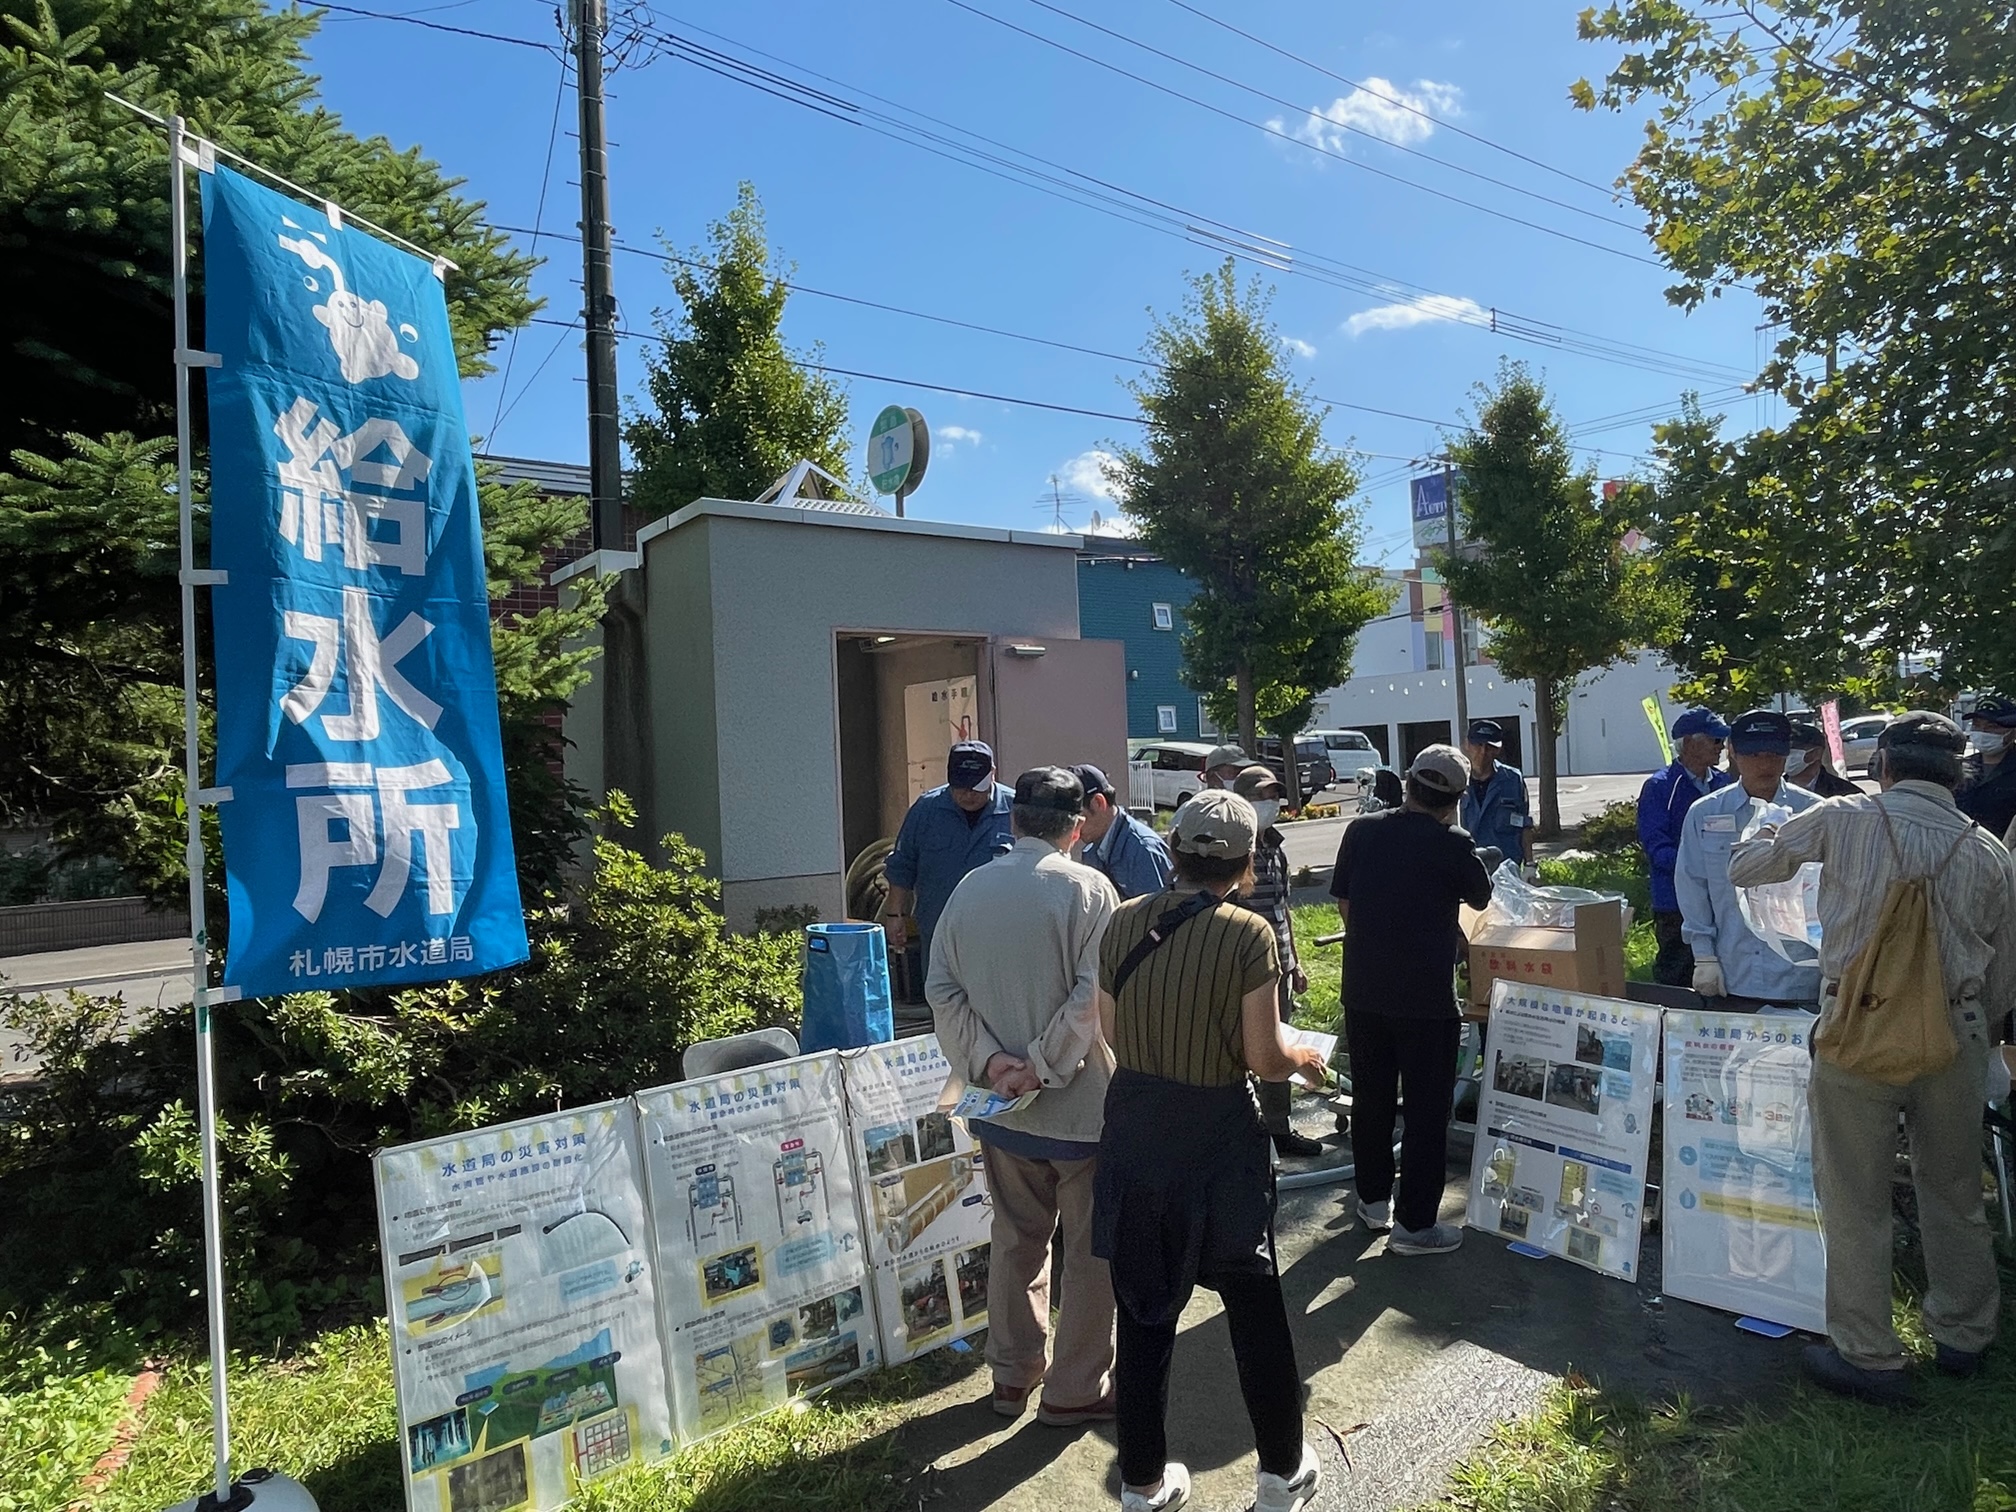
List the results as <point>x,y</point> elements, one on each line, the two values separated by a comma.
<point>1406,105</point>
<point>1088,191</point>
<point>1299,141</point>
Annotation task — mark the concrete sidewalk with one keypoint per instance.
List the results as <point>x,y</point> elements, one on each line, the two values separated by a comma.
<point>1410,1362</point>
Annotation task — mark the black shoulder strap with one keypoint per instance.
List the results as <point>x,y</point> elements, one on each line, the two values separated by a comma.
<point>1172,919</point>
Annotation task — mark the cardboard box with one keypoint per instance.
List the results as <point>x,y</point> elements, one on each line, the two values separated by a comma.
<point>1587,958</point>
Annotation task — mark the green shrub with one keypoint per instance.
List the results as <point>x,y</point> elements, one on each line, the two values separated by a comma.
<point>98,1156</point>
<point>1613,828</point>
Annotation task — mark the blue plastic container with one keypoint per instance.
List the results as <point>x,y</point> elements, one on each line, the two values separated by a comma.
<point>846,984</point>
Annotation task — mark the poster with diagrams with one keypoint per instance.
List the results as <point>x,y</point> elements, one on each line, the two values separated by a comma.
<point>925,1199</point>
<point>1564,1124</point>
<point>761,1262</point>
<point>1741,1228</point>
<point>525,1346</point>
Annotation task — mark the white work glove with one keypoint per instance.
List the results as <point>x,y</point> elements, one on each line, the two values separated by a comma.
<point>1708,976</point>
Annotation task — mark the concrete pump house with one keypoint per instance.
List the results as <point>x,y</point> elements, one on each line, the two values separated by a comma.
<point>779,681</point>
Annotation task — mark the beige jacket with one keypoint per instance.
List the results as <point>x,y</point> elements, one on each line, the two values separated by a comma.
<point>1015,968</point>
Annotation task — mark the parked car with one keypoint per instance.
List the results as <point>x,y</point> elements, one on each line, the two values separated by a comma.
<point>1178,769</point>
<point>1858,741</point>
<point>1312,763</point>
<point>1350,752</point>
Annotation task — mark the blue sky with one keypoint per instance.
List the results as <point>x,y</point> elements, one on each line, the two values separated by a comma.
<point>1373,262</point>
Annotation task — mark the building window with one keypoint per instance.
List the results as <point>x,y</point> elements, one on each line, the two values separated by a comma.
<point>1432,643</point>
<point>1165,718</point>
<point>1165,619</point>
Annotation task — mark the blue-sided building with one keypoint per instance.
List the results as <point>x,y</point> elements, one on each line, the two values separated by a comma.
<point>1127,593</point>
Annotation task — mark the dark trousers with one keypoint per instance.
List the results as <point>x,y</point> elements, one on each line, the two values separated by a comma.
<point>1268,1379</point>
<point>1674,965</point>
<point>1402,1062</point>
<point>1274,1096</point>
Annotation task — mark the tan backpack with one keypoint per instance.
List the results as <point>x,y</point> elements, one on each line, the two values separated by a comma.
<point>1889,1022</point>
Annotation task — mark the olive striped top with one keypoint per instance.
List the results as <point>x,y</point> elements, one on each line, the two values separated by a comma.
<point>1178,1016</point>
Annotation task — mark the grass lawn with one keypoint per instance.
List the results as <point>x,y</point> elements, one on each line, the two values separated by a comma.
<point>327,1418</point>
<point>1588,1451</point>
<point>54,1423</point>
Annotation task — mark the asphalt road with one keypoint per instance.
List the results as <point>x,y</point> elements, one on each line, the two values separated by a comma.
<point>1314,842</point>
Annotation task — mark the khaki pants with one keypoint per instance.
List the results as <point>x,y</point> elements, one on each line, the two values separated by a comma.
<point>1854,1156</point>
<point>1030,1197</point>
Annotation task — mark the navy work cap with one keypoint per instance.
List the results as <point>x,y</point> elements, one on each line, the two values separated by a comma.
<point>1761,731</point>
<point>1093,781</point>
<point>1700,722</point>
<point>1486,732</point>
<point>1994,709</point>
<point>970,764</point>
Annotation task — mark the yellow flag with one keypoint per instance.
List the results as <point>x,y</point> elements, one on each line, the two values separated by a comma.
<point>1658,717</point>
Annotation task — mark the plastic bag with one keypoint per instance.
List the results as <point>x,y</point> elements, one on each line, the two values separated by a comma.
<point>1516,901</point>
<point>1784,915</point>
<point>847,1002</point>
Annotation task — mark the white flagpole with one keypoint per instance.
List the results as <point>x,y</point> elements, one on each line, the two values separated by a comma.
<point>199,951</point>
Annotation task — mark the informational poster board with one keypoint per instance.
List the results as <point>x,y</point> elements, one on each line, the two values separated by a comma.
<point>762,1269</point>
<point>925,1199</point>
<point>1741,1227</point>
<point>936,717</point>
<point>525,1347</point>
<point>1564,1124</point>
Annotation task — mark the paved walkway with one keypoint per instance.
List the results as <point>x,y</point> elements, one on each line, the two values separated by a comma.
<point>1410,1362</point>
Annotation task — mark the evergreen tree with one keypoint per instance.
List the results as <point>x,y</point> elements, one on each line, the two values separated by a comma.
<point>731,408</point>
<point>1235,485</point>
<point>90,664</point>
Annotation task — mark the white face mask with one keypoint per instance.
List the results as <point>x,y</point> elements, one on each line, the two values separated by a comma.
<point>1796,760</point>
<point>1266,810</point>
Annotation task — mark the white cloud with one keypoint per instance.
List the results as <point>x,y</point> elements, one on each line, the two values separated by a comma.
<point>1382,109</point>
<point>1413,312</point>
<point>1299,347</point>
<point>1085,476</point>
<point>952,435</point>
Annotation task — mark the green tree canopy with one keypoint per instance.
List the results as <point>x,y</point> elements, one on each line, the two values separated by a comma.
<point>1235,485</point>
<point>731,408</point>
<point>1851,163</point>
<point>90,662</point>
<point>1549,574</point>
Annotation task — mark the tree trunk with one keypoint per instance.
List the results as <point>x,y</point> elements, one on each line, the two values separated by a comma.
<point>1545,765</point>
<point>1291,774</point>
<point>1249,717</point>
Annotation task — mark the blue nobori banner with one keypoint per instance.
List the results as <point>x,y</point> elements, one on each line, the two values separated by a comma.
<point>366,839</point>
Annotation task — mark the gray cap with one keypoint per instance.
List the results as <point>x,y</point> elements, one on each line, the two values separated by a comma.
<point>1443,768</point>
<point>1215,823</point>
<point>1224,756</point>
<point>1255,781</point>
<point>1049,787</point>
<point>1923,728</point>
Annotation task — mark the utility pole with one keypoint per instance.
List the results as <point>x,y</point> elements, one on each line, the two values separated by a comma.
<point>605,445</point>
<point>1455,614</point>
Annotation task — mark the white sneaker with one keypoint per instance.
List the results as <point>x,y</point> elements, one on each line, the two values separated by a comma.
<point>1175,1493</point>
<point>1438,1239</point>
<point>1293,1494</point>
<point>1376,1215</point>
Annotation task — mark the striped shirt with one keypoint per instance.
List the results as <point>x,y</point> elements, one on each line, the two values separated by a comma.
<point>1178,1017</point>
<point>1973,897</point>
<point>1269,895</point>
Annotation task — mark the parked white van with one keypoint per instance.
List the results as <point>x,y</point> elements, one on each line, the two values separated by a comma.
<point>1351,752</point>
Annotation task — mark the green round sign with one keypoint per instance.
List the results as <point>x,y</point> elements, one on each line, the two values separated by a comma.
<point>890,450</point>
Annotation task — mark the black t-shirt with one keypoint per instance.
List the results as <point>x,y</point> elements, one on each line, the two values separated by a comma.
<point>1404,873</point>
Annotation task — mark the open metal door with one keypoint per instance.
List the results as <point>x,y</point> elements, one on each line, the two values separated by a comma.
<point>1052,702</point>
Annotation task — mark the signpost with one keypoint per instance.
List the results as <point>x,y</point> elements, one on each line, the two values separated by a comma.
<point>899,450</point>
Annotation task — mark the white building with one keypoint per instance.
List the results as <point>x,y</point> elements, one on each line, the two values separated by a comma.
<point>1402,693</point>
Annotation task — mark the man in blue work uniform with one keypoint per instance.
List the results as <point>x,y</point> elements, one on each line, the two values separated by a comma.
<point>1129,853</point>
<point>947,833</point>
<point>1495,810</point>
<point>1733,968</point>
<point>1698,737</point>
